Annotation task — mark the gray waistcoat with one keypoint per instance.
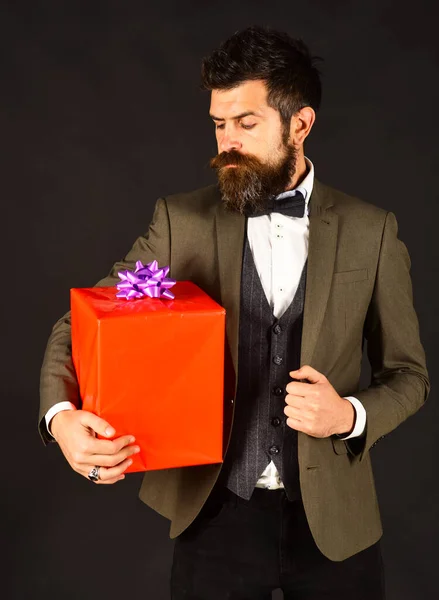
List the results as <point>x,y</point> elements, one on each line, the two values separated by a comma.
<point>269,349</point>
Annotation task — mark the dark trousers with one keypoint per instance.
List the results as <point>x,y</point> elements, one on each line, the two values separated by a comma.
<point>243,549</point>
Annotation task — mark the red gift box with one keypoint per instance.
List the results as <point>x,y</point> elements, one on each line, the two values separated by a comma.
<point>153,368</point>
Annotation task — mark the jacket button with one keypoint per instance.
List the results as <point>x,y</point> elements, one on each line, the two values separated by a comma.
<point>275,421</point>
<point>278,391</point>
<point>277,360</point>
<point>274,450</point>
<point>277,328</point>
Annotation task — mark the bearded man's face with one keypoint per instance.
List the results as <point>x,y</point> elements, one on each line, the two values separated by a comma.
<point>255,160</point>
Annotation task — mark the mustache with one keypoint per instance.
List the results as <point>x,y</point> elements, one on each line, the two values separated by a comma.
<point>233,157</point>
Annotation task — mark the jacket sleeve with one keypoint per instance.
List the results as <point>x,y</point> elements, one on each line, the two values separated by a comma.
<point>399,378</point>
<point>58,381</point>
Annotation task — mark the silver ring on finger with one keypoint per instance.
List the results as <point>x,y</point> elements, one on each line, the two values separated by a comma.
<point>94,474</point>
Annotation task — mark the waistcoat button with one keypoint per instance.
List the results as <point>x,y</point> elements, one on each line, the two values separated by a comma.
<point>275,421</point>
<point>278,391</point>
<point>277,360</point>
<point>277,328</point>
<point>274,450</point>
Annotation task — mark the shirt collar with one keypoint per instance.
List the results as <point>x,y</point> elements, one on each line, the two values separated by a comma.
<point>305,187</point>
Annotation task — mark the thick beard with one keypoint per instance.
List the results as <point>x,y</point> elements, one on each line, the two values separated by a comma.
<point>251,186</point>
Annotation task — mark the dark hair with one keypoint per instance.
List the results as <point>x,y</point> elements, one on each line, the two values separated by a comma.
<point>284,63</point>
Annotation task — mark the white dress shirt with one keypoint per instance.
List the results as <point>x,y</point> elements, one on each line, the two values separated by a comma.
<point>272,238</point>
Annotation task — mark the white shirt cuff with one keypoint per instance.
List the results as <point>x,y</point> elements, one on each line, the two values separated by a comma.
<point>56,408</point>
<point>360,421</point>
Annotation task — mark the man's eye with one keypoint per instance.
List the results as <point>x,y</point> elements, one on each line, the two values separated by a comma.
<point>221,126</point>
<point>247,126</point>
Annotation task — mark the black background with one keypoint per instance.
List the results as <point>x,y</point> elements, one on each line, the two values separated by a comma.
<point>100,114</point>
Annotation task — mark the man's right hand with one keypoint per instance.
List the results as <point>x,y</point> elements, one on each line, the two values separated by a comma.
<point>76,430</point>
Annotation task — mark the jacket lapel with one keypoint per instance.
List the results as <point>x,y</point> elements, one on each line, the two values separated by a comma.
<point>322,247</point>
<point>323,230</point>
<point>230,239</point>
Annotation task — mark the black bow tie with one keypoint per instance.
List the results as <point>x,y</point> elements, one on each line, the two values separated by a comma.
<point>292,206</point>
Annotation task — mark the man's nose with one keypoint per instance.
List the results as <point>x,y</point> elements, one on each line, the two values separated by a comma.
<point>229,142</point>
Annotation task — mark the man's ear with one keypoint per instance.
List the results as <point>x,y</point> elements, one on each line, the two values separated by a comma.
<point>301,124</point>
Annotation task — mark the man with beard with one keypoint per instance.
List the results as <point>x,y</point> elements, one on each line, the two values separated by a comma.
<point>306,274</point>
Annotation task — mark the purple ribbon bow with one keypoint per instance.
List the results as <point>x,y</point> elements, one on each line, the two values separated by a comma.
<point>146,280</point>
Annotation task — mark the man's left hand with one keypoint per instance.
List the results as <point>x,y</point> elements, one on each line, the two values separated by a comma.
<point>315,407</point>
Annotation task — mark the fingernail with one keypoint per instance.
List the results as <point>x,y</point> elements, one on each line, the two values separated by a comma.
<point>136,449</point>
<point>132,439</point>
<point>130,462</point>
<point>109,431</point>
<point>122,477</point>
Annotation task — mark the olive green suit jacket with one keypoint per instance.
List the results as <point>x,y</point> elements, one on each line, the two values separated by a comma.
<point>358,287</point>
